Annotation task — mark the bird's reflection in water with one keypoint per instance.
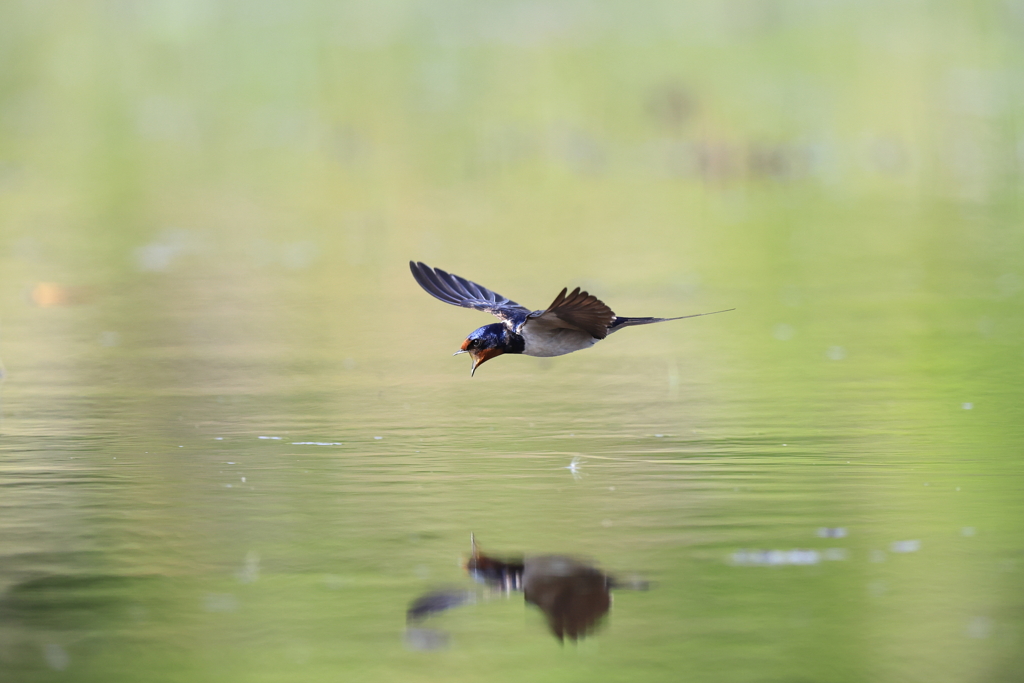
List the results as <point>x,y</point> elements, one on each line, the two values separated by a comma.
<point>573,594</point>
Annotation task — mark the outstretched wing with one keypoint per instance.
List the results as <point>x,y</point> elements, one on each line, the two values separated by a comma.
<point>458,291</point>
<point>576,311</point>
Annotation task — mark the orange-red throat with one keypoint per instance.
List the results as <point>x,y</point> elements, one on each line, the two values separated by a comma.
<point>486,354</point>
<point>479,356</point>
<point>482,356</point>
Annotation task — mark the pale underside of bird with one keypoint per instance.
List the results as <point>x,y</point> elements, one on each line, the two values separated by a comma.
<point>575,320</point>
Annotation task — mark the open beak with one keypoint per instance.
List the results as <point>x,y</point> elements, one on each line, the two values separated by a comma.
<point>479,357</point>
<point>477,360</point>
<point>482,356</point>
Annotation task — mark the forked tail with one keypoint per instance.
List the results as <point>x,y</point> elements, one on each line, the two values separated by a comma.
<point>620,322</point>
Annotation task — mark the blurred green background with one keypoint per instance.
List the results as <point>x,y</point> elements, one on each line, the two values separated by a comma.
<point>206,214</point>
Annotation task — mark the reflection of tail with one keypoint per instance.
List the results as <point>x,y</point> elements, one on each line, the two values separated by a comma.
<point>621,322</point>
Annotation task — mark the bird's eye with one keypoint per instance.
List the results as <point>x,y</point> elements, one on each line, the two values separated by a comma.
<point>472,344</point>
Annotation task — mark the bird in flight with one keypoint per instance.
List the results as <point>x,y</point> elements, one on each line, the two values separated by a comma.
<point>574,320</point>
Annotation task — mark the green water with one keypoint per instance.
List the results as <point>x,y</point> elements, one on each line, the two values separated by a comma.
<point>206,214</point>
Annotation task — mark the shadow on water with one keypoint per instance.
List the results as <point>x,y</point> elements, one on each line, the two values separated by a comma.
<point>573,594</point>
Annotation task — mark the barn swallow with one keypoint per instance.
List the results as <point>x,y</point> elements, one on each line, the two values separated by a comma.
<point>575,320</point>
<point>573,594</point>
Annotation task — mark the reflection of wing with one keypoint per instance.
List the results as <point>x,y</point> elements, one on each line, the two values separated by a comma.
<point>577,311</point>
<point>419,638</point>
<point>458,291</point>
<point>573,596</point>
<point>437,601</point>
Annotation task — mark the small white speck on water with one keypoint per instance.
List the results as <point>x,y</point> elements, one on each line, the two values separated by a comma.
<point>220,602</point>
<point>250,570</point>
<point>836,353</point>
<point>877,589</point>
<point>797,556</point>
<point>229,463</point>
<point>218,438</point>
<point>783,332</point>
<point>979,627</point>
<point>227,486</point>
<point>574,467</point>
<point>658,436</point>
<point>611,488</point>
<point>785,444</point>
<point>56,657</point>
<point>966,406</point>
<point>378,438</point>
<point>180,446</point>
<point>911,546</point>
<point>243,480</point>
<point>832,532</point>
<point>272,438</point>
<point>334,582</point>
<point>115,458</point>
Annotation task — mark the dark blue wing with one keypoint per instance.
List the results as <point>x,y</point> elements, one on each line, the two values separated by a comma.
<point>458,291</point>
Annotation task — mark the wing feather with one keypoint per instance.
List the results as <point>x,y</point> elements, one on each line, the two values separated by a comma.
<point>577,310</point>
<point>459,291</point>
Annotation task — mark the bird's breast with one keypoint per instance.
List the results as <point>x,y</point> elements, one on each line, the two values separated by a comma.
<point>546,342</point>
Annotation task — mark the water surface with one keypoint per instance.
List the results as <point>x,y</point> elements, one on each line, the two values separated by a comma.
<point>234,445</point>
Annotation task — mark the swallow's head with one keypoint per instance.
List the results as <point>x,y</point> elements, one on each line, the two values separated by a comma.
<point>484,344</point>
